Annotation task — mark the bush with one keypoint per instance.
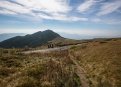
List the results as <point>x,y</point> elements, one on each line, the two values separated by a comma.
<point>28,82</point>
<point>35,71</point>
<point>83,47</point>
<point>1,51</point>
<point>77,80</point>
<point>26,48</point>
<point>6,71</point>
<point>72,47</point>
<point>103,42</point>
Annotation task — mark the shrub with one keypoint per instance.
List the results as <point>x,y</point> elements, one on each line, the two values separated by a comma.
<point>7,71</point>
<point>26,48</point>
<point>83,47</point>
<point>28,82</point>
<point>103,42</point>
<point>77,80</point>
<point>72,47</point>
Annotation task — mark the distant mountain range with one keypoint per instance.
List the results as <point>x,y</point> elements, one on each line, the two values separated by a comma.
<point>6,36</point>
<point>31,40</point>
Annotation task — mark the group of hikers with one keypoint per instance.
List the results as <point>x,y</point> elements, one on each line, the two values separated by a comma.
<point>50,45</point>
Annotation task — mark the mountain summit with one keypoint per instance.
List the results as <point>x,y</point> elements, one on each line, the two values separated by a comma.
<point>33,40</point>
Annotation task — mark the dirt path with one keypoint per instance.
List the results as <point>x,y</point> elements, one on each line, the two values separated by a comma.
<point>52,49</point>
<point>80,72</point>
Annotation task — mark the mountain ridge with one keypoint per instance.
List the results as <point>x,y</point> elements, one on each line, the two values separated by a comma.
<point>5,36</point>
<point>30,40</point>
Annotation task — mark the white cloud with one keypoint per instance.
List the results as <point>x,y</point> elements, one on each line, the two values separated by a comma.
<point>56,9</point>
<point>110,21</point>
<point>78,19</point>
<point>4,11</point>
<point>57,16</point>
<point>29,6</point>
<point>96,20</point>
<point>86,5</point>
<point>44,9</point>
<point>62,17</point>
<point>44,16</point>
<point>14,7</point>
<point>48,6</point>
<point>109,7</point>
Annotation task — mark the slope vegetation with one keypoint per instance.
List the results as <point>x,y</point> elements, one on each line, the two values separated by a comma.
<point>33,40</point>
<point>101,60</point>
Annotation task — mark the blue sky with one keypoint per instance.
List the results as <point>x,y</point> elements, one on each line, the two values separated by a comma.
<point>82,17</point>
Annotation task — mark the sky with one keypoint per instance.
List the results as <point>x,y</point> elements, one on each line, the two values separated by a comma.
<point>93,18</point>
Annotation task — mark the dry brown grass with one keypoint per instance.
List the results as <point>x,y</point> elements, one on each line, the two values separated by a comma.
<point>101,59</point>
<point>64,41</point>
<point>54,69</point>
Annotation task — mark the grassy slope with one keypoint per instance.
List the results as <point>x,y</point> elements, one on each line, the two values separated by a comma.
<point>60,41</point>
<point>101,59</point>
<point>53,69</point>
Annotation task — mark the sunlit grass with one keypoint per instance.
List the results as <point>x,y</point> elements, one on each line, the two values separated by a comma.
<point>101,60</point>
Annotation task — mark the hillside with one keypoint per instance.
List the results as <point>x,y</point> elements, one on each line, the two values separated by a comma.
<point>101,61</point>
<point>33,40</point>
<point>6,36</point>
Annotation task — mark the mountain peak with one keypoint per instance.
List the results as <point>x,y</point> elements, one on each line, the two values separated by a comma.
<point>48,31</point>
